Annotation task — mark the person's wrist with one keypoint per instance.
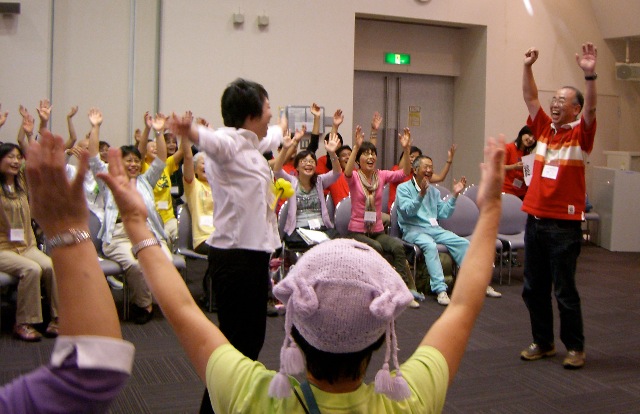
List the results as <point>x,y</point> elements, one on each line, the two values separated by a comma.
<point>590,76</point>
<point>449,161</point>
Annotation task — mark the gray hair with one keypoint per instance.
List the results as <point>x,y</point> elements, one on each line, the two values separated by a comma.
<point>196,158</point>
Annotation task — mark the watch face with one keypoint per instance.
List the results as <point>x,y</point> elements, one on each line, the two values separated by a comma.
<point>67,238</point>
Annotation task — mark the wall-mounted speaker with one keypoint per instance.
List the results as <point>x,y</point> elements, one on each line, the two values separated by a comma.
<point>628,71</point>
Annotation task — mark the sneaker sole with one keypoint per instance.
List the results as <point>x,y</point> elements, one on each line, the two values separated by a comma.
<point>547,354</point>
<point>572,366</point>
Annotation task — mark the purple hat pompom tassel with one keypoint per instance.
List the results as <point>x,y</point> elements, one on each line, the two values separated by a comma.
<point>292,360</point>
<point>383,381</point>
<point>280,386</point>
<point>401,389</point>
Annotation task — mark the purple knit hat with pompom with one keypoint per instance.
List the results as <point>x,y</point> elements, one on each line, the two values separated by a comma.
<point>342,296</point>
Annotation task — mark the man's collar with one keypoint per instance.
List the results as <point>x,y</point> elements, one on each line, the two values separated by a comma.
<point>570,125</point>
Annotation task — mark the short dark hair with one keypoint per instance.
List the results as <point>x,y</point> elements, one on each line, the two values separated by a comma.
<point>524,131</point>
<point>327,366</point>
<point>130,149</point>
<point>342,148</point>
<point>579,96</point>
<point>366,146</point>
<point>102,144</point>
<point>326,139</point>
<point>242,99</point>
<point>416,162</point>
<point>411,151</point>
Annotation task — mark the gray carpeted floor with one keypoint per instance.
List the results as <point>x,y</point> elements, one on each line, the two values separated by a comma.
<point>492,378</point>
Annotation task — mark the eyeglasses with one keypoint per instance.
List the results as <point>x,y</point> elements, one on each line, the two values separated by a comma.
<point>560,101</point>
<point>307,162</point>
<point>368,153</point>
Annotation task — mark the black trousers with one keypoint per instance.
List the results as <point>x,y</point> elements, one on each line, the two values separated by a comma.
<point>241,285</point>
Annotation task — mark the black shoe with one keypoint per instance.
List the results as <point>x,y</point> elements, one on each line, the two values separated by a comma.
<point>140,315</point>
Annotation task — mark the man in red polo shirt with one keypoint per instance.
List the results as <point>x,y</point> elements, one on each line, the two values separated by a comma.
<point>555,203</point>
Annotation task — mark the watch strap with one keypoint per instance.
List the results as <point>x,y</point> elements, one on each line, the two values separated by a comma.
<point>152,241</point>
<point>68,238</point>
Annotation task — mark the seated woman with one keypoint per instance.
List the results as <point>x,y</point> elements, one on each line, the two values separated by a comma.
<point>365,186</point>
<point>90,362</point>
<point>115,243</point>
<point>308,208</point>
<point>342,301</point>
<point>199,201</point>
<point>514,151</point>
<point>19,254</point>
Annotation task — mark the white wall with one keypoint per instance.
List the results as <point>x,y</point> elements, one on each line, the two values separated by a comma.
<point>306,54</point>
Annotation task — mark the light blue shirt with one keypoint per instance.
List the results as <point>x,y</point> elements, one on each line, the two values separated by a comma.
<point>415,212</point>
<point>144,183</point>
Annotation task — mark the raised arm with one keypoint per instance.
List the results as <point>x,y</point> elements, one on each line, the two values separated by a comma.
<point>451,332</point>
<point>338,119</point>
<point>144,137</point>
<point>587,63</point>
<point>25,133</point>
<point>197,334</point>
<point>158,126</point>
<point>314,142</point>
<point>184,127</point>
<point>60,208</point>
<point>438,178</point>
<point>180,153</point>
<point>44,112</point>
<point>289,145</point>
<point>3,116</point>
<point>358,139</point>
<point>375,125</point>
<point>188,169</point>
<point>405,142</point>
<point>331,147</point>
<point>72,129</point>
<point>529,87</point>
<point>95,118</point>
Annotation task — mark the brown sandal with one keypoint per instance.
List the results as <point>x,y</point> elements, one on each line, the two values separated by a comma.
<point>52,329</point>
<point>26,332</point>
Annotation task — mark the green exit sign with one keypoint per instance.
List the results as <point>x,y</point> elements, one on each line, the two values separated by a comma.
<point>397,58</point>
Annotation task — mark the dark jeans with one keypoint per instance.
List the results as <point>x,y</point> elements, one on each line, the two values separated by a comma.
<point>241,285</point>
<point>551,250</point>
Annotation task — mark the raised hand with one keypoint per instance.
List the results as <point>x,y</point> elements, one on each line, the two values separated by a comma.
<point>424,185</point>
<point>129,201</point>
<point>180,126</point>
<point>587,61</point>
<point>451,152</point>
<point>28,124</point>
<point>530,56</point>
<point>405,138</point>
<point>492,173</point>
<point>95,117</point>
<point>44,111</point>
<point>338,118</point>
<point>55,203</point>
<point>376,121</point>
<point>23,111</point>
<point>72,111</point>
<point>3,116</point>
<point>137,135</point>
<point>315,110</point>
<point>299,133</point>
<point>202,121</point>
<point>458,186</point>
<point>333,143</point>
<point>148,120</point>
<point>358,136</point>
<point>158,121</point>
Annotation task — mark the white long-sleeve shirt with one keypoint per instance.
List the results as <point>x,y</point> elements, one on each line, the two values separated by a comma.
<point>241,183</point>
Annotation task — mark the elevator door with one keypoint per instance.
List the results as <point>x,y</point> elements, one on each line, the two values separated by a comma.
<point>424,103</point>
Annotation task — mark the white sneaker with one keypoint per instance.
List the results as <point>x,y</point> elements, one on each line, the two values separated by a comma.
<point>115,283</point>
<point>443,298</point>
<point>414,304</point>
<point>492,293</point>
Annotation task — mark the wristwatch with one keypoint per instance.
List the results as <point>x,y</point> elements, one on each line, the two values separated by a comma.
<point>68,238</point>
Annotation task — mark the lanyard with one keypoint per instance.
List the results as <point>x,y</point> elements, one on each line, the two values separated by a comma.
<point>309,398</point>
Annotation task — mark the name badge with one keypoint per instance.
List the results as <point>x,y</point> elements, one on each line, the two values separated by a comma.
<point>175,190</point>
<point>16,235</point>
<point>433,222</point>
<point>206,221</point>
<point>314,224</point>
<point>370,216</point>
<point>517,183</point>
<point>550,171</point>
<point>162,205</point>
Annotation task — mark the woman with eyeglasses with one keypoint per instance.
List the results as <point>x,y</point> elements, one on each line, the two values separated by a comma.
<point>307,209</point>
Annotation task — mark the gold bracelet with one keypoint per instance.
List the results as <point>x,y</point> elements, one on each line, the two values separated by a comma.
<point>152,241</point>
